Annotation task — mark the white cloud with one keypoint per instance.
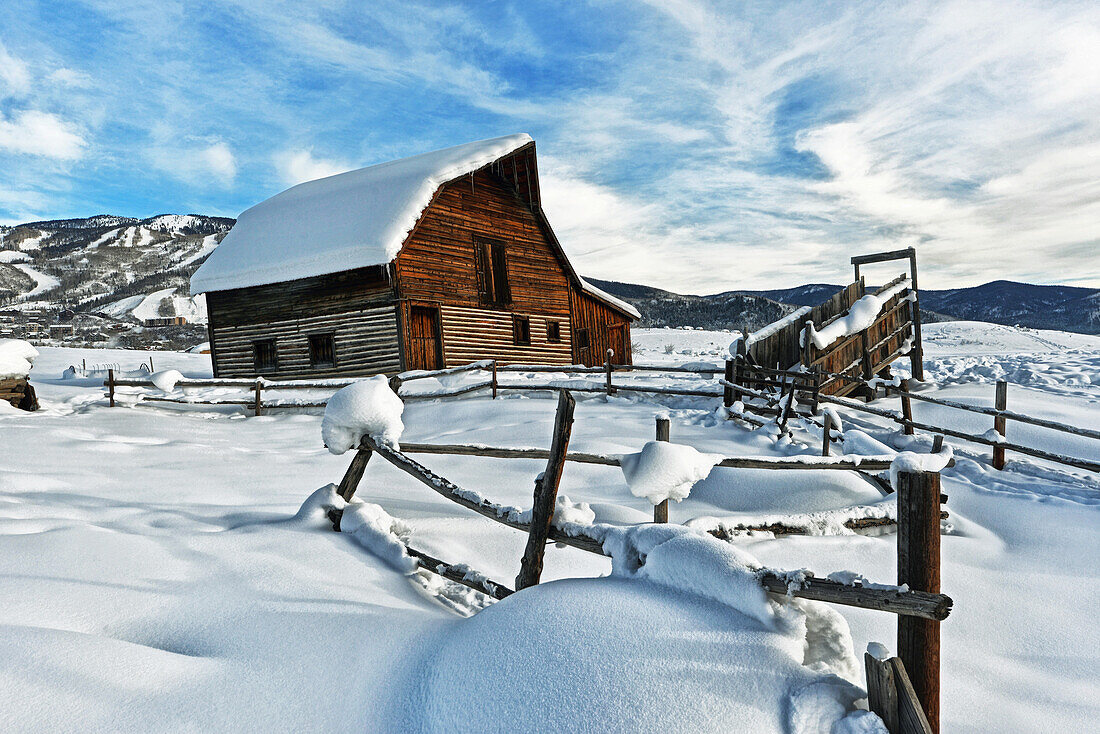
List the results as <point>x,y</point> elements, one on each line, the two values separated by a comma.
<point>219,161</point>
<point>15,79</point>
<point>296,166</point>
<point>43,134</point>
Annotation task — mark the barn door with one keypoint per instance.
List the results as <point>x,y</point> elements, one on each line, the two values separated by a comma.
<point>425,347</point>
<point>616,339</point>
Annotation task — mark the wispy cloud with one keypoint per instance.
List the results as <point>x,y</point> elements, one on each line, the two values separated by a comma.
<point>42,134</point>
<point>296,166</point>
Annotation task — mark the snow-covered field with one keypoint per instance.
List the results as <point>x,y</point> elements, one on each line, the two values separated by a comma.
<point>157,574</point>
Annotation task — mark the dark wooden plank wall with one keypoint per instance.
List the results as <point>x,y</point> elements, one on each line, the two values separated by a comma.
<point>365,340</point>
<point>597,317</point>
<point>356,306</point>
<point>13,389</point>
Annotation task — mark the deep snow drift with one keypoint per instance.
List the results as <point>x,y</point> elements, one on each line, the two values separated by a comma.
<point>160,572</point>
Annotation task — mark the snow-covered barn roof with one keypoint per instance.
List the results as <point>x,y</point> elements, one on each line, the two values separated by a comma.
<point>342,222</point>
<point>347,221</point>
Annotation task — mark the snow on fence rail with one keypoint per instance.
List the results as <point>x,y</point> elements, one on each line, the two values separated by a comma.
<point>999,413</point>
<point>916,599</point>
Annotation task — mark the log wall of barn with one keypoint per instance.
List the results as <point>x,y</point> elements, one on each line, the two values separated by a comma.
<point>598,319</point>
<point>470,334</point>
<point>356,307</point>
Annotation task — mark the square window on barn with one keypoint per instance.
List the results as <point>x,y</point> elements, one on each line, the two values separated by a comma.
<point>553,331</point>
<point>322,350</point>
<point>582,338</point>
<point>264,356</point>
<point>521,330</point>
<point>491,261</point>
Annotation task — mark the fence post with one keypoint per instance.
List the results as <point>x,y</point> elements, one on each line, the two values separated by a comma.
<point>610,389</point>
<point>827,423</point>
<point>907,409</point>
<point>111,387</point>
<point>916,356</point>
<point>494,379</point>
<point>660,510</point>
<point>919,568</point>
<point>546,495</point>
<point>727,391</point>
<point>259,406</point>
<point>151,364</point>
<point>1001,403</point>
<point>738,365</point>
<point>354,474</point>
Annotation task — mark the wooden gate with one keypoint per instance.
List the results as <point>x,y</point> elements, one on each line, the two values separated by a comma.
<point>424,348</point>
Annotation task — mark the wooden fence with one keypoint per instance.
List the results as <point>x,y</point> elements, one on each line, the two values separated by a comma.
<point>919,604</point>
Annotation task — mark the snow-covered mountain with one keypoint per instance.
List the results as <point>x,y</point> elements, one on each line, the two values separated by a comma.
<point>120,266</point>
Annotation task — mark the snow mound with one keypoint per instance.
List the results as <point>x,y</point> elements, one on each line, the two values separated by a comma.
<point>365,408</point>
<point>16,358</point>
<point>618,654</point>
<point>166,380</point>
<point>379,533</point>
<point>910,461</point>
<point>666,471</point>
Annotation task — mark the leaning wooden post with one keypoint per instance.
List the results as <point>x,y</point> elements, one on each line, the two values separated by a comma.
<point>919,568</point>
<point>1001,403</point>
<point>738,366</point>
<point>916,355</point>
<point>354,474</point>
<point>151,364</point>
<point>494,379</point>
<point>907,409</point>
<point>610,354</point>
<point>827,423</point>
<point>258,405</point>
<point>546,495</point>
<point>111,387</point>
<point>660,510</point>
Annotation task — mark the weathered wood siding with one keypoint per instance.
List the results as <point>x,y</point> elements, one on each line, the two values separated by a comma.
<point>18,392</point>
<point>599,319</point>
<point>470,334</point>
<point>437,265</point>
<point>356,307</point>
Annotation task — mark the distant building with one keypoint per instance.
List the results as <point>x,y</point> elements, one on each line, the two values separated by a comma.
<point>60,331</point>
<point>165,321</point>
<point>431,261</point>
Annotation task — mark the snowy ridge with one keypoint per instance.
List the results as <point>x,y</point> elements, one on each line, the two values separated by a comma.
<point>342,222</point>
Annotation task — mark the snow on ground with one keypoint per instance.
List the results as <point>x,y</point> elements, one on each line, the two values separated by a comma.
<point>157,573</point>
<point>148,306</point>
<point>43,281</point>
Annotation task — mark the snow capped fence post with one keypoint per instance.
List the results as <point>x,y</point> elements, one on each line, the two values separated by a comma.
<point>827,428</point>
<point>916,356</point>
<point>494,379</point>
<point>1000,403</point>
<point>111,387</point>
<point>258,405</point>
<point>919,568</point>
<point>664,433</point>
<point>546,494</point>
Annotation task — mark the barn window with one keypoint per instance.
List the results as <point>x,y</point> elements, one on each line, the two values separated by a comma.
<point>491,260</point>
<point>553,331</point>
<point>322,350</point>
<point>264,356</point>
<point>521,329</point>
<point>582,339</point>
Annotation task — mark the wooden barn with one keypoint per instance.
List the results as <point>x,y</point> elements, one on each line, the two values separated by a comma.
<point>425,262</point>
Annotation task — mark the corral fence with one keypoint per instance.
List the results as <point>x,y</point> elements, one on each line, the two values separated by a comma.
<point>804,336</point>
<point>904,691</point>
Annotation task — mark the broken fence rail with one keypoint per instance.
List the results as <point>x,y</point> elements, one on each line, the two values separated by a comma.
<point>911,603</point>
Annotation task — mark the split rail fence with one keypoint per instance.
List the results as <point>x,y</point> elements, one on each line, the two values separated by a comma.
<point>906,694</point>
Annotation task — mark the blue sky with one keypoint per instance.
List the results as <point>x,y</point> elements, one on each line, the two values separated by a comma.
<point>691,145</point>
